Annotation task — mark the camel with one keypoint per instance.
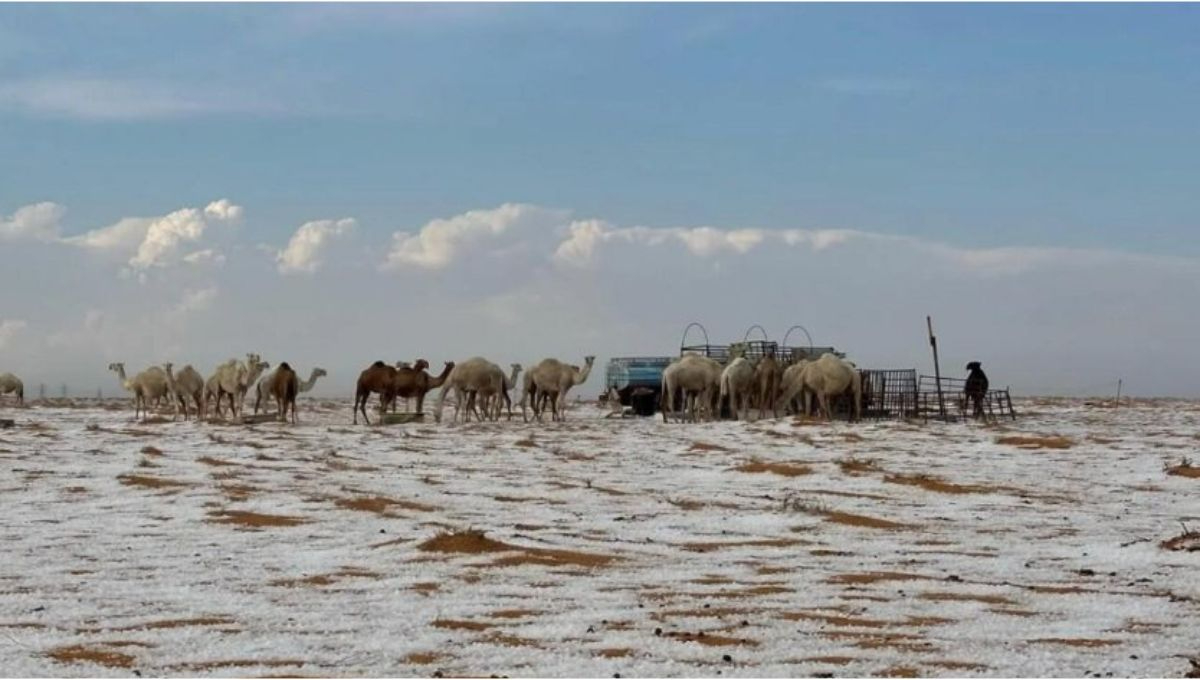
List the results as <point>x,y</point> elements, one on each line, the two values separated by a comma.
<point>173,394</point>
<point>285,385</point>
<point>408,368</point>
<point>828,377</point>
<point>190,384</point>
<point>377,378</point>
<point>791,386</point>
<point>149,384</point>
<point>975,388</point>
<point>467,378</point>
<point>697,377</point>
<point>10,383</point>
<point>488,400</point>
<point>416,382</point>
<point>235,378</point>
<point>554,379</point>
<point>530,391</point>
<point>254,368</point>
<point>263,388</point>
<point>767,376</point>
<point>497,392</point>
<point>737,384</point>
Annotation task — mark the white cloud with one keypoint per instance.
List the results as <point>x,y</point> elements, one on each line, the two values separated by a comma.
<point>224,210</point>
<point>586,237</point>
<point>123,235</point>
<point>36,222</point>
<point>442,241</point>
<point>165,234</point>
<point>206,256</point>
<point>303,252</point>
<point>124,99</point>
<point>157,241</point>
<point>9,328</point>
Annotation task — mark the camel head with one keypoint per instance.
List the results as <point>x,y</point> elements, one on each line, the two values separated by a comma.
<point>167,367</point>
<point>449,366</point>
<point>589,360</point>
<point>118,367</point>
<point>973,366</point>
<point>319,372</point>
<point>420,365</point>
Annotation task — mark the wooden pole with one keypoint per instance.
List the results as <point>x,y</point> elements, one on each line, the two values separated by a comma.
<point>937,371</point>
<point>1118,404</point>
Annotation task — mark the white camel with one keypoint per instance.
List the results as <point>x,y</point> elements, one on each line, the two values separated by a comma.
<point>737,384</point>
<point>495,396</point>
<point>697,377</point>
<point>791,386</point>
<point>466,379</point>
<point>150,384</point>
<point>234,378</point>
<point>554,379</point>
<point>188,385</point>
<point>11,384</point>
<point>828,377</point>
<point>263,388</point>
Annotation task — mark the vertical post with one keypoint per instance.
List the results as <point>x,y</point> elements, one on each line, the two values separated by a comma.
<point>1118,404</point>
<point>937,371</point>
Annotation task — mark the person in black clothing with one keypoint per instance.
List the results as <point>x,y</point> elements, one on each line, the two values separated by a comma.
<point>976,387</point>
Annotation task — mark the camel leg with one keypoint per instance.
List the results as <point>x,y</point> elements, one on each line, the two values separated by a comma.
<point>823,400</point>
<point>363,406</point>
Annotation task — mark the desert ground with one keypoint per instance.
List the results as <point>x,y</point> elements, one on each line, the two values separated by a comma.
<point>1056,545</point>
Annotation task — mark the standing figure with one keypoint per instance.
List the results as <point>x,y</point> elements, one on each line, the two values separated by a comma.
<point>976,388</point>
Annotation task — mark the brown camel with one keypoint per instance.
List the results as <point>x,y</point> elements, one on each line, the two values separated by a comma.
<point>379,378</point>
<point>416,381</point>
<point>285,385</point>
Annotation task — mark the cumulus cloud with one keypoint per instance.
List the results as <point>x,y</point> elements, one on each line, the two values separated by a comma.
<point>303,254</point>
<point>9,329</point>
<point>586,238</point>
<point>158,241</point>
<point>223,210</point>
<point>36,222</point>
<point>442,241</point>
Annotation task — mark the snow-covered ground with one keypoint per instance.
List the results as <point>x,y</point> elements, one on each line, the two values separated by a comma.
<point>608,546</point>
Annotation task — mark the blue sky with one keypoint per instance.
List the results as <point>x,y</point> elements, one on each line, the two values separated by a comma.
<point>973,126</point>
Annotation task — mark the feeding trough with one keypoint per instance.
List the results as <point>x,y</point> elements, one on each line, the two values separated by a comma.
<point>401,418</point>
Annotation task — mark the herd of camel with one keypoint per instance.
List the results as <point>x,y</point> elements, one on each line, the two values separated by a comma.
<point>230,381</point>
<point>705,384</point>
<point>482,388</point>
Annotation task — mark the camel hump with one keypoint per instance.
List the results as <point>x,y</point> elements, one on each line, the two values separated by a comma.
<point>379,364</point>
<point>284,366</point>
